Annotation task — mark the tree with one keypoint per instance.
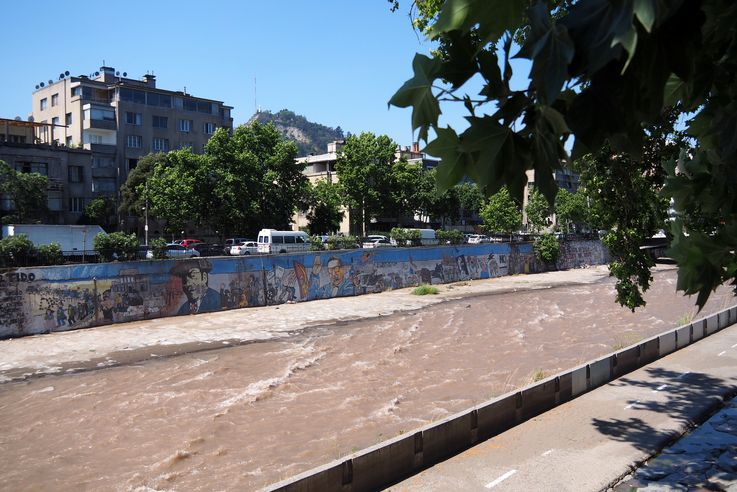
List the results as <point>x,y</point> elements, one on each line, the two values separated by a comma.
<point>326,212</point>
<point>538,210</point>
<point>27,191</point>
<point>364,169</point>
<point>116,246</point>
<point>470,199</point>
<point>101,211</point>
<point>571,209</point>
<point>601,72</point>
<point>501,214</point>
<point>403,197</point>
<point>131,201</point>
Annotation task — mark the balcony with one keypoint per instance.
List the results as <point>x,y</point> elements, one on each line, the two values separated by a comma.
<point>100,148</point>
<point>101,124</point>
<point>104,172</point>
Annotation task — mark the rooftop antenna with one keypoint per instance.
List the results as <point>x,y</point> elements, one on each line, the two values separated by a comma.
<point>255,98</point>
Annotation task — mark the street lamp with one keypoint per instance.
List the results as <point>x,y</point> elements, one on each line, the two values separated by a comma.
<point>145,214</point>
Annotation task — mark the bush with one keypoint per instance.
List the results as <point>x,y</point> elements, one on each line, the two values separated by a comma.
<point>316,243</point>
<point>158,248</point>
<point>341,242</point>
<point>424,289</point>
<point>547,248</point>
<point>406,237</point>
<point>50,254</point>
<point>116,246</point>
<point>16,251</point>
<point>449,237</point>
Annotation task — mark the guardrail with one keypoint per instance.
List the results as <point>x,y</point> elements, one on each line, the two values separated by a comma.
<point>396,459</point>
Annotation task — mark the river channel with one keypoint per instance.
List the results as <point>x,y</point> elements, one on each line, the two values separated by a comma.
<point>239,418</point>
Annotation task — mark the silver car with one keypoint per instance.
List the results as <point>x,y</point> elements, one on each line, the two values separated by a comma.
<point>245,248</point>
<point>174,250</point>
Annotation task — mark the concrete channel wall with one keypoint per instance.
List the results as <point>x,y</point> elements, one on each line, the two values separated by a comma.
<point>47,299</point>
<point>396,459</point>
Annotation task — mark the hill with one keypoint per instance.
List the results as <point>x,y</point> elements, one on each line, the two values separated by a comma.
<point>311,138</point>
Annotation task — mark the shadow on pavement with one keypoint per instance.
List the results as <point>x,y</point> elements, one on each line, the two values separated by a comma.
<point>690,399</point>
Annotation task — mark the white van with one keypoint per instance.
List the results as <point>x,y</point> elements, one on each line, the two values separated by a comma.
<point>427,237</point>
<point>273,241</point>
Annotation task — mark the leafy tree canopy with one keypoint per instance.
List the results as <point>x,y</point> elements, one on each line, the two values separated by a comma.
<point>27,192</point>
<point>601,71</point>
<point>538,210</point>
<point>325,213</point>
<point>501,213</point>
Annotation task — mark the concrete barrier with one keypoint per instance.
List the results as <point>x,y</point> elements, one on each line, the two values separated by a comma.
<point>398,458</point>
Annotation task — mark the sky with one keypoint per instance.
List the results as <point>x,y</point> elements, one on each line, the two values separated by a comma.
<point>335,62</point>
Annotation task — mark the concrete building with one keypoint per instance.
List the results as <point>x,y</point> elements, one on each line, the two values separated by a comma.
<point>120,119</point>
<point>25,146</point>
<point>565,178</point>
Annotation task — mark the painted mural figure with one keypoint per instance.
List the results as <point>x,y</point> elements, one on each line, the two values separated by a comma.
<point>195,276</point>
<point>339,284</point>
<point>60,316</point>
<point>107,305</point>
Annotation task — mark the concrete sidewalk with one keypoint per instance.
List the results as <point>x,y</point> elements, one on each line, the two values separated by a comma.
<point>595,441</point>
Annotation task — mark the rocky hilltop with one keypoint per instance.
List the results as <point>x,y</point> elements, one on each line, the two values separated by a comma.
<point>311,138</point>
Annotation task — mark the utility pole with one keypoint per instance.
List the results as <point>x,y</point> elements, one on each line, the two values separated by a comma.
<point>145,212</point>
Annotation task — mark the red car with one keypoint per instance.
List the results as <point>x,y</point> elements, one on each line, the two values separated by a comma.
<point>189,242</point>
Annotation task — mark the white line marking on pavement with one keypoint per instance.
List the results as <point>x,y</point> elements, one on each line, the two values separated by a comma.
<point>632,404</point>
<point>685,373</point>
<point>722,353</point>
<point>733,346</point>
<point>661,387</point>
<point>500,479</point>
<point>547,452</point>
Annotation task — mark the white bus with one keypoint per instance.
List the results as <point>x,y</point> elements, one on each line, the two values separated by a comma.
<point>273,241</point>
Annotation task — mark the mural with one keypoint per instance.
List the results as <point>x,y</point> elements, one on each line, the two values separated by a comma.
<point>41,300</point>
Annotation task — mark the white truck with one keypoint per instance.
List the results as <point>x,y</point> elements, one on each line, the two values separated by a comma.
<point>74,240</point>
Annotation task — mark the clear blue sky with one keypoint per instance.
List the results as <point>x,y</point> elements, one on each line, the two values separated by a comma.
<point>335,62</point>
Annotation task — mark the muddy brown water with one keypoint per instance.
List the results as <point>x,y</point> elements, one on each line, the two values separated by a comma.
<point>242,417</point>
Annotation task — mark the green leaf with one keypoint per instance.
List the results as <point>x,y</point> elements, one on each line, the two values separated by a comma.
<point>674,90</point>
<point>417,92</point>
<point>461,48</point>
<point>551,50</point>
<point>645,11</point>
<point>492,19</point>
<point>628,40</point>
<point>453,162</point>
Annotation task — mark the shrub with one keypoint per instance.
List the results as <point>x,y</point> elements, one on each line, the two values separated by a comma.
<point>547,248</point>
<point>116,246</point>
<point>406,237</point>
<point>449,237</point>
<point>158,248</point>
<point>424,289</point>
<point>316,243</point>
<point>16,251</point>
<point>50,254</point>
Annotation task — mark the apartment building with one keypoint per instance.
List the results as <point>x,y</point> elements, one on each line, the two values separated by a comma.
<point>120,119</point>
<point>69,170</point>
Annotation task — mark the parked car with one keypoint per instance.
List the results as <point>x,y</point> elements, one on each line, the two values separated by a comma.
<point>230,242</point>
<point>208,249</point>
<point>376,243</point>
<point>174,250</point>
<point>189,242</point>
<point>478,239</point>
<point>245,248</point>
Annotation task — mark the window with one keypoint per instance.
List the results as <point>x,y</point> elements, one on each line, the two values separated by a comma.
<point>161,100</point>
<point>289,239</point>
<point>55,121</point>
<point>69,142</point>
<point>44,103</point>
<point>160,121</point>
<point>102,114</point>
<point>103,185</point>
<point>41,168</point>
<point>160,144</point>
<point>133,118</point>
<point>55,201</point>
<point>54,100</point>
<point>277,239</point>
<point>68,119</point>
<point>95,139</point>
<point>102,162</point>
<point>134,141</point>
<point>76,174</point>
<point>185,126</point>
<point>209,128</point>
<point>76,204</point>
<point>132,95</point>
<point>77,91</point>
<point>132,163</point>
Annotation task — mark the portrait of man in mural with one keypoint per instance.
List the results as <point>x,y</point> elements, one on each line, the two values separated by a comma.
<point>195,275</point>
<point>340,284</point>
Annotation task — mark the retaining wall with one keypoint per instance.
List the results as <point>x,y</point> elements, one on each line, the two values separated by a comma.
<point>46,299</point>
<point>396,459</point>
